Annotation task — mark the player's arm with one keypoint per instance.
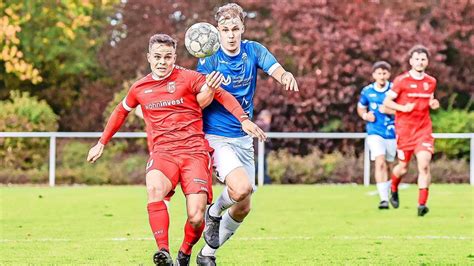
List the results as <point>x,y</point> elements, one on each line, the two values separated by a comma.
<point>366,116</point>
<point>385,110</point>
<point>268,63</point>
<point>233,106</point>
<point>362,108</point>
<point>434,103</point>
<point>390,103</point>
<point>206,94</point>
<point>285,78</point>
<point>116,120</point>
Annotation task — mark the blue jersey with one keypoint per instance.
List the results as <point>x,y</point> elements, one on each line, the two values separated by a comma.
<point>372,98</point>
<point>240,79</point>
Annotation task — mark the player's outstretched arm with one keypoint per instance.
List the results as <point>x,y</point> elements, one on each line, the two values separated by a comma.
<point>285,78</point>
<point>114,123</point>
<point>206,95</point>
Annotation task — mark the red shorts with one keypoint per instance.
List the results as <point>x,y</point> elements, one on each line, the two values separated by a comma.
<point>404,152</point>
<point>192,170</point>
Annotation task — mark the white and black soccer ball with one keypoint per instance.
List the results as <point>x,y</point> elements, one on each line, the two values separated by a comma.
<point>202,40</point>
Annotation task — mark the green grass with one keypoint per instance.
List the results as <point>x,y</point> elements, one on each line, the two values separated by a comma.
<point>288,225</point>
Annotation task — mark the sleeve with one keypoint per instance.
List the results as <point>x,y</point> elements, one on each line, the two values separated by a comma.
<point>117,118</point>
<point>198,80</point>
<point>363,101</point>
<point>396,88</point>
<point>231,104</point>
<point>205,65</point>
<point>265,60</point>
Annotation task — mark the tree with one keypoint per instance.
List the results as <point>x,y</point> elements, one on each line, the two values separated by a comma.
<point>49,47</point>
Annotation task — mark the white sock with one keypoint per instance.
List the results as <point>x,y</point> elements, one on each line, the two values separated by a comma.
<point>208,251</point>
<point>383,190</point>
<point>388,187</point>
<point>221,204</point>
<point>227,228</point>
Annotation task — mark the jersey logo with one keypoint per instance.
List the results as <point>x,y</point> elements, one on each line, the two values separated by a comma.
<point>227,81</point>
<point>413,86</point>
<point>202,61</point>
<point>372,95</point>
<point>171,87</point>
<point>244,57</point>
<point>148,91</point>
<point>373,106</point>
<point>426,86</point>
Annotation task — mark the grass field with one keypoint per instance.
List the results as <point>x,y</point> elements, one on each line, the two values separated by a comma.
<point>289,225</point>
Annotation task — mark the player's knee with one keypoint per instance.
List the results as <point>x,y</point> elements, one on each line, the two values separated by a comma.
<point>155,193</point>
<point>240,193</point>
<point>196,219</point>
<point>424,168</point>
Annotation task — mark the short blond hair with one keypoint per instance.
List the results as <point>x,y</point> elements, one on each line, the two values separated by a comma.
<point>229,11</point>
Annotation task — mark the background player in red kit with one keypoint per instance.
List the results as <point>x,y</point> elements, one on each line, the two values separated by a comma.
<point>171,98</point>
<point>412,96</point>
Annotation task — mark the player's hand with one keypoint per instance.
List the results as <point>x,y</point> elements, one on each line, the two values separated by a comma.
<point>369,116</point>
<point>289,81</point>
<point>214,80</point>
<point>253,130</point>
<point>408,107</point>
<point>95,152</point>
<point>434,104</point>
<point>382,108</point>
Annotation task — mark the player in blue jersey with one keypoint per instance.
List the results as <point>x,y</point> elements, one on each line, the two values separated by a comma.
<point>380,127</point>
<point>238,60</point>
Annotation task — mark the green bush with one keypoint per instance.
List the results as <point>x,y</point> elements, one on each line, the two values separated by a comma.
<point>453,121</point>
<point>21,112</point>
<point>117,165</point>
<point>317,167</point>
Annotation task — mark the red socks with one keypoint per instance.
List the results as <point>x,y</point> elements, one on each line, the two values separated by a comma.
<point>191,237</point>
<point>423,196</point>
<point>159,223</point>
<point>395,181</point>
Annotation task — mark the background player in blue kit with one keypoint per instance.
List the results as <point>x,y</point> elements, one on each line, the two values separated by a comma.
<point>380,127</point>
<point>238,60</point>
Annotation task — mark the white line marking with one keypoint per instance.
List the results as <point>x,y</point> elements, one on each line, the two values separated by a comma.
<point>428,237</point>
<point>404,237</point>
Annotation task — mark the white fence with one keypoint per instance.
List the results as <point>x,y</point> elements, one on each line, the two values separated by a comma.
<point>261,148</point>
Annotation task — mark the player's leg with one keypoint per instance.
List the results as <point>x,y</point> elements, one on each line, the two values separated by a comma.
<point>397,174</point>
<point>196,206</point>
<point>377,148</point>
<point>196,183</point>
<point>235,166</point>
<point>423,159</point>
<point>159,184</point>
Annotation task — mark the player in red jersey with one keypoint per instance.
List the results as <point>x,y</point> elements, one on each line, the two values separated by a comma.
<point>171,99</point>
<point>412,96</point>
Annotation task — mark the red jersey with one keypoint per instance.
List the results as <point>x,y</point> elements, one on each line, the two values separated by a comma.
<point>172,114</point>
<point>413,126</point>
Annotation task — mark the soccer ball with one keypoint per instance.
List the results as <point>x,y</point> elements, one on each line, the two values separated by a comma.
<point>202,40</point>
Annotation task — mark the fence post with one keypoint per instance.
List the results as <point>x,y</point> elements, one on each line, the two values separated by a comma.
<point>471,162</point>
<point>52,161</point>
<point>260,154</point>
<point>366,164</point>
